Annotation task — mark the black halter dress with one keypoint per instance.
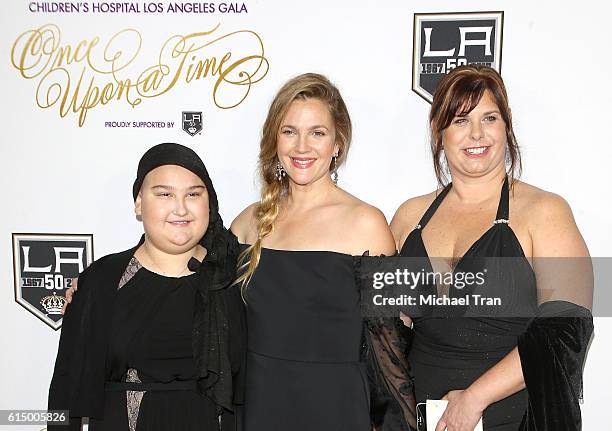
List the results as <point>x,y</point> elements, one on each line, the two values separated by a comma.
<point>450,350</point>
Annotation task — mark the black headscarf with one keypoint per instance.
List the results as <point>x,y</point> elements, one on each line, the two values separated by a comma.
<point>211,344</point>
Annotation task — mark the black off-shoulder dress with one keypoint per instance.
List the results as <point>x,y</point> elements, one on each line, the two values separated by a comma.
<point>313,361</point>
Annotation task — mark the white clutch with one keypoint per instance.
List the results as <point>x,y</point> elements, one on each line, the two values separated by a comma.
<point>434,409</point>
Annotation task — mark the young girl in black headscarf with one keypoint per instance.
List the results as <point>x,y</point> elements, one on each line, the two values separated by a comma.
<point>154,338</point>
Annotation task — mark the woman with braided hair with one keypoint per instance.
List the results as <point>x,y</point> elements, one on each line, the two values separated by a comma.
<point>305,362</point>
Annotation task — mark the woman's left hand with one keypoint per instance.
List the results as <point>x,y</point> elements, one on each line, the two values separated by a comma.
<point>462,413</point>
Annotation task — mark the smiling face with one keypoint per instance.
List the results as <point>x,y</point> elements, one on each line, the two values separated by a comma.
<point>475,142</point>
<point>173,205</point>
<point>306,141</point>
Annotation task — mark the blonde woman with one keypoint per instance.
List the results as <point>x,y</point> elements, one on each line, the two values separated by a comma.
<point>299,242</point>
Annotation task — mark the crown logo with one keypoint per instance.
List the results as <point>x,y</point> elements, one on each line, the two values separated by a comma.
<point>53,304</point>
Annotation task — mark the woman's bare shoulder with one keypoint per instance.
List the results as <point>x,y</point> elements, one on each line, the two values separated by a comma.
<point>414,208</point>
<point>537,203</point>
<point>408,215</point>
<point>361,214</point>
<point>550,222</point>
<point>244,225</point>
<point>368,225</point>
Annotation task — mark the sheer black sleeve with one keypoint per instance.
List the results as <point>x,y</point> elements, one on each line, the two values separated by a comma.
<point>554,346</point>
<point>392,401</point>
<point>385,348</point>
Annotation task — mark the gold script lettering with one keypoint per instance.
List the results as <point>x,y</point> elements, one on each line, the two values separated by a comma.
<point>90,73</point>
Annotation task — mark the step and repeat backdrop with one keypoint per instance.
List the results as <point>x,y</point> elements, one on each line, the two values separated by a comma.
<point>88,86</point>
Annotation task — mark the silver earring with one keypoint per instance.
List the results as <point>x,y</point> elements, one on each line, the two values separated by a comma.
<point>334,174</point>
<point>508,160</point>
<point>445,164</point>
<point>280,171</point>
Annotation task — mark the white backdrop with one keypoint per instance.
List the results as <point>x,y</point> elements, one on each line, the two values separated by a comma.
<point>61,178</point>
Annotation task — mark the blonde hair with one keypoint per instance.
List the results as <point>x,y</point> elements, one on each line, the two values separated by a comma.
<point>302,87</point>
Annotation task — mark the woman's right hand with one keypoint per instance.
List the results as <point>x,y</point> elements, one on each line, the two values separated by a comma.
<point>406,320</point>
<point>70,292</point>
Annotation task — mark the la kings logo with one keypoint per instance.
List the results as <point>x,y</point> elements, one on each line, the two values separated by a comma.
<point>445,41</point>
<point>192,122</point>
<point>44,267</point>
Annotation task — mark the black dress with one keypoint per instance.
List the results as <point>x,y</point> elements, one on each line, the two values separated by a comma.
<point>126,356</point>
<point>151,342</point>
<point>304,337</point>
<point>450,352</point>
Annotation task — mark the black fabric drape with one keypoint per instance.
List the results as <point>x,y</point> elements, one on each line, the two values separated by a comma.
<point>78,379</point>
<point>552,352</point>
<point>211,333</point>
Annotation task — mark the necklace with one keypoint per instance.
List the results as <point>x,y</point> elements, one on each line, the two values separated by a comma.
<point>158,268</point>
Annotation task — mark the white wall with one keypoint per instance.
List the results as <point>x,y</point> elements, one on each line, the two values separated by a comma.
<point>58,177</point>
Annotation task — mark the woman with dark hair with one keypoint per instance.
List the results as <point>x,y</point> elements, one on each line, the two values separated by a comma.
<point>154,339</point>
<point>481,360</point>
<point>307,369</point>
